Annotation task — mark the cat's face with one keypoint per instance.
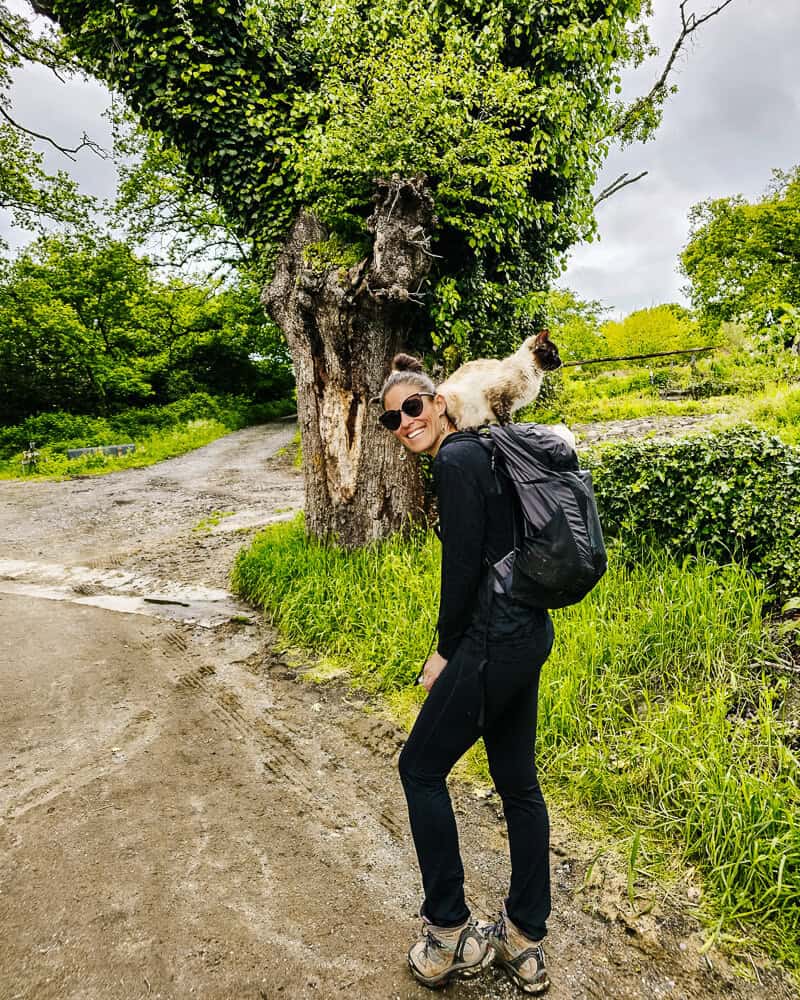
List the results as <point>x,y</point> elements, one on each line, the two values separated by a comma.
<point>545,352</point>
<point>419,434</point>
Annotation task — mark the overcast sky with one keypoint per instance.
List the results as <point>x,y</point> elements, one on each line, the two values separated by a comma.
<point>736,116</point>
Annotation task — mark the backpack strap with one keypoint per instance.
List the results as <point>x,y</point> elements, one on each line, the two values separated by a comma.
<point>489,446</point>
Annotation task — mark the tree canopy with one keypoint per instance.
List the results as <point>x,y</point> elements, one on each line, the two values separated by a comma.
<point>668,327</point>
<point>290,105</point>
<point>87,328</point>
<point>33,197</point>
<point>743,259</point>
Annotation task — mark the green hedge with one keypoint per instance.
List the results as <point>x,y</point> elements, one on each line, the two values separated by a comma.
<point>732,495</point>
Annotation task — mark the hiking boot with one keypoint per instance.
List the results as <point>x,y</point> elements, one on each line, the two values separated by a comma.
<point>442,953</point>
<point>520,958</point>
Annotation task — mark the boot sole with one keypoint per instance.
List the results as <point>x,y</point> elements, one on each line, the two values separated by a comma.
<point>519,982</point>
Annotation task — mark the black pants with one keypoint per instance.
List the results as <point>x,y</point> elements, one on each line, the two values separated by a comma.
<point>447,726</point>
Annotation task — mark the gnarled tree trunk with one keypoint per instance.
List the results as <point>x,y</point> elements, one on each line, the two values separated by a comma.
<point>343,327</point>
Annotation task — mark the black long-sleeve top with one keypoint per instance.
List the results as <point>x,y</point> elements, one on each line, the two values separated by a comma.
<point>476,527</point>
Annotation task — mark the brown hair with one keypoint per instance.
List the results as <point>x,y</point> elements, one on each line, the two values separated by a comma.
<point>406,370</point>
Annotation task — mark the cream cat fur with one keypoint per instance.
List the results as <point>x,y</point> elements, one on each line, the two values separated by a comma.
<point>488,391</point>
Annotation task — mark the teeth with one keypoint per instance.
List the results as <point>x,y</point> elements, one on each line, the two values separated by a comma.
<point>414,434</point>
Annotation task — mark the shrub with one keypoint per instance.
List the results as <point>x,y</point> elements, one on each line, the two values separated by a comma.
<point>734,495</point>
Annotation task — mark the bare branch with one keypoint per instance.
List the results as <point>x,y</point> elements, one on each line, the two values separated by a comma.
<point>689,23</point>
<point>86,142</point>
<point>622,181</point>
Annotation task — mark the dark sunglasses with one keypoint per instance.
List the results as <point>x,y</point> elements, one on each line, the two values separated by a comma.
<point>411,406</point>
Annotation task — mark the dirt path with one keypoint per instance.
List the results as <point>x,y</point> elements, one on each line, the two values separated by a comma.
<point>180,817</point>
<point>641,427</point>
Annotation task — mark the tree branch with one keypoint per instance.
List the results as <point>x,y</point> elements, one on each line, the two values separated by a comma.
<point>622,181</point>
<point>86,142</point>
<point>689,24</point>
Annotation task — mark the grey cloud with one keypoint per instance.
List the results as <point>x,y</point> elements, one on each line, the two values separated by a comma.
<point>735,118</point>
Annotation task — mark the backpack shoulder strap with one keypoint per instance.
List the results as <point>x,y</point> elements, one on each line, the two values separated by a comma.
<point>490,447</point>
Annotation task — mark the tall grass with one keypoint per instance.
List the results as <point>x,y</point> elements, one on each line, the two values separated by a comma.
<point>373,608</point>
<point>655,712</point>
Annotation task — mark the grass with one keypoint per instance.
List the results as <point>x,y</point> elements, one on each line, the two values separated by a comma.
<point>770,400</point>
<point>210,522</point>
<point>158,432</point>
<point>151,448</point>
<point>655,714</point>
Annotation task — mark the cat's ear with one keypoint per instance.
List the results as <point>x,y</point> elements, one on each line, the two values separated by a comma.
<point>542,337</point>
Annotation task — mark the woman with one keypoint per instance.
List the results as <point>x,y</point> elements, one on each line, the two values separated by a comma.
<point>482,680</point>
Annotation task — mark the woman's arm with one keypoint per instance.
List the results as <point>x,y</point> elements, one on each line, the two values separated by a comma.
<point>462,520</point>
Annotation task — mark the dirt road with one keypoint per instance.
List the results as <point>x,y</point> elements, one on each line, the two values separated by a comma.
<point>180,817</point>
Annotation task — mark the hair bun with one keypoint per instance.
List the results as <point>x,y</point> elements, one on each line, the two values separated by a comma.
<point>406,363</point>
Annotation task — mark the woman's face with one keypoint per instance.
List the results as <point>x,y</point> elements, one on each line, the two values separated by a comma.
<point>418,434</point>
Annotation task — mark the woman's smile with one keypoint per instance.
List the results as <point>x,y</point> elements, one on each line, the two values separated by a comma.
<point>419,433</point>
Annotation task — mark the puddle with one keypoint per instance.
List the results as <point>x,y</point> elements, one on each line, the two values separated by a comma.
<point>121,591</point>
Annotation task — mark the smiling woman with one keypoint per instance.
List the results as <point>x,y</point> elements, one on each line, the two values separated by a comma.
<point>482,680</point>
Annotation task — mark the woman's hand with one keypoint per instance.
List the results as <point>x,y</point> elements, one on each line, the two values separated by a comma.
<point>434,665</point>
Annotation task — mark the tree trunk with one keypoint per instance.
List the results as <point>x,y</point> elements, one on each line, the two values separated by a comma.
<point>343,327</point>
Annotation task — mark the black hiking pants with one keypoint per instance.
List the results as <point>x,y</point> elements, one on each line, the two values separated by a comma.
<point>504,697</point>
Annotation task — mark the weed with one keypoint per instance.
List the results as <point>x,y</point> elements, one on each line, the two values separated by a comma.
<point>213,519</point>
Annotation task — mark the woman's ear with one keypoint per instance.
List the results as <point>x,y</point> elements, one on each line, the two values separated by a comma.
<point>440,403</point>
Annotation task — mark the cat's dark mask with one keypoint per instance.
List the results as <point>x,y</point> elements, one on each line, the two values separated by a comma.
<point>546,352</point>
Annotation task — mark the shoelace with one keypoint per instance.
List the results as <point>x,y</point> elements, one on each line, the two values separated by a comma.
<point>497,928</point>
<point>432,943</point>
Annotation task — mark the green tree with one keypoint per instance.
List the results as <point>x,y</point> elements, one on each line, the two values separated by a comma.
<point>71,340</point>
<point>410,171</point>
<point>160,207</point>
<point>743,260</point>
<point>219,341</point>
<point>88,329</point>
<point>33,197</point>
<point>668,327</point>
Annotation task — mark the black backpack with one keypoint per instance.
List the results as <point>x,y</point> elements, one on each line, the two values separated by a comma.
<point>559,553</point>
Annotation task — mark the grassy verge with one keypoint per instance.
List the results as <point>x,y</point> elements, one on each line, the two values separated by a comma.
<point>775,408</point>
<point>655,713</point>
<point>158,433</point>
<point>150,448</point>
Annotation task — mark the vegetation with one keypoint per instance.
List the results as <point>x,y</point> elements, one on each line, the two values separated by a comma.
<point>733,495</point>
<point>655,711</point>
<point>742,262</point>
<point>402,174</point>
<point>89,329</point>
<point>668,327</point>
<point>282,108</point>
<point>158,432</point>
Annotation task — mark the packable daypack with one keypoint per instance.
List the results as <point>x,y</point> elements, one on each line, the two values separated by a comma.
<point>558,554</point>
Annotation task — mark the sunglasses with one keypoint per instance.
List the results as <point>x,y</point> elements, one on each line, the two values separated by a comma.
<point>411,406</point>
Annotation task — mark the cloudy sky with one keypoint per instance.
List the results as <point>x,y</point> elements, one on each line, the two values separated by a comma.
<point>736,116</point>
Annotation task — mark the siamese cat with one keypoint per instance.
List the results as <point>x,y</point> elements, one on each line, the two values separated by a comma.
<point>488,391</point>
